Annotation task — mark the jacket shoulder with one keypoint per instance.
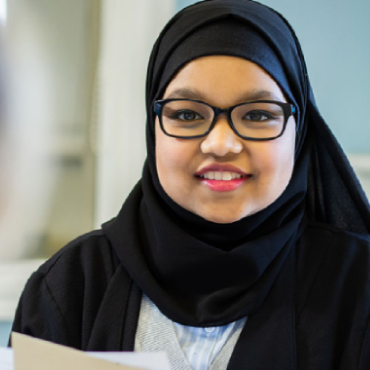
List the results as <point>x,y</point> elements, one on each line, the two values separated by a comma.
<point>327,236</point>
<point>61,300</point>
<point>332,263</point>
<point>91,250</point>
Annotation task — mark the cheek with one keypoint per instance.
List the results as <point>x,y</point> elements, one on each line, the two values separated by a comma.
<point>275,162</point>
<point>173,159</point>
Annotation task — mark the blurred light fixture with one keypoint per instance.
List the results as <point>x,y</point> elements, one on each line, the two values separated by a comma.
<point>3,12</point>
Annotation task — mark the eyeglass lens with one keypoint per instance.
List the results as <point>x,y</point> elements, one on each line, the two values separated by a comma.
<point>258,120</point>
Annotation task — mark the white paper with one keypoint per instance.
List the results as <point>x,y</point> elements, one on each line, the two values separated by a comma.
<point>150,361</point>
<point>6,359</point>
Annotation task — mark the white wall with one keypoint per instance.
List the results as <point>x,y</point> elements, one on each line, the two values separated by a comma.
<point>47,195</point>
<point>128,31</point>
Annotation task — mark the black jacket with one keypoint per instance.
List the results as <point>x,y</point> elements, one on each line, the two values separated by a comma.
<point>82,297</point>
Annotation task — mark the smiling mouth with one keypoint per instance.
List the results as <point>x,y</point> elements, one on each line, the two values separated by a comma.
<point>222,175</point>
<point>222,181</point>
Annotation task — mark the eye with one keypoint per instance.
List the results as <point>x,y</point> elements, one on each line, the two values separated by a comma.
<point>187,115</point>
<point>258,116</point>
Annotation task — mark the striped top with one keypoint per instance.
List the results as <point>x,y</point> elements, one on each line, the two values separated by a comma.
<point>202,345</point>
<point>187,347</point>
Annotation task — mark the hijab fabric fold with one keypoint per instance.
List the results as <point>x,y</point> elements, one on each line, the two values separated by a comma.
<point>200,273</point>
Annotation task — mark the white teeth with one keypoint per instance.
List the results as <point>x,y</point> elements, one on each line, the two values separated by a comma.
<point>235,175</point>
<point>224,176</point>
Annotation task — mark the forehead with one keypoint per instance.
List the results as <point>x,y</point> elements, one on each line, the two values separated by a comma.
<point>223,80</point>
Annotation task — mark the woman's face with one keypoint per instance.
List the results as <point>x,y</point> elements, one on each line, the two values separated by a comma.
<point>266,166</point>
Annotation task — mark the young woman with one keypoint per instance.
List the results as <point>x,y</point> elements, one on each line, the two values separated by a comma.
<point>246,243</point>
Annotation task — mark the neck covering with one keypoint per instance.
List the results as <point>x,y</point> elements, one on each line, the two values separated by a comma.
<point>204,274</point>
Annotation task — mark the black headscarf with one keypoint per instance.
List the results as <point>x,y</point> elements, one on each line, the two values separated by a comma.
<point>204,274</point>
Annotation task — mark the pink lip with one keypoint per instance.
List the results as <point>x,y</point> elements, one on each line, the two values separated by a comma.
<point>221,185</point>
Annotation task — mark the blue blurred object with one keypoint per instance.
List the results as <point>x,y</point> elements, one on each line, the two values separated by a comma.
<point>183,3</point>
<point>5,328</point>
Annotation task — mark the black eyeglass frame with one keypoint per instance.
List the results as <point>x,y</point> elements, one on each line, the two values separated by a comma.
<point>288,109</point>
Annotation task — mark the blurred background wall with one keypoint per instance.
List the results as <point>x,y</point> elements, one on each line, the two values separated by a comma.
<point>48,176</point>
<point>73,144</point>
<point>52,54</point>
<point>75,73</point>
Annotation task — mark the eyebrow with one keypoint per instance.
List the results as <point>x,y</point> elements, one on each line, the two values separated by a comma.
<point>186,93</point>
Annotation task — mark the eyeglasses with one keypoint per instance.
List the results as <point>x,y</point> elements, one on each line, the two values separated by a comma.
<point>257,120</point>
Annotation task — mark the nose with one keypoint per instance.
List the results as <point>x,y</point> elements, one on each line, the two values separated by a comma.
<point>222,140</point>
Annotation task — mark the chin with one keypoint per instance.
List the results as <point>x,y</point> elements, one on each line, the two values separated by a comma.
<point>222,217</point>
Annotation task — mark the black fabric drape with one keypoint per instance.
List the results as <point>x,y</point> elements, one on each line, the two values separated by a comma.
<point>84,298</point>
